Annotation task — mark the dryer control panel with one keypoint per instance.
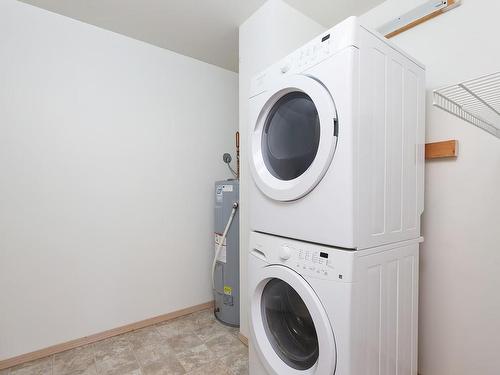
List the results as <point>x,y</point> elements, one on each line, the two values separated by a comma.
<point>307,259</point>
<point>320,48</point>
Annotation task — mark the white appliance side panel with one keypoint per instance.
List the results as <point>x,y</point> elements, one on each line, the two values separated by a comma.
<point>386,319</point>
<point>409,177</point>
<point>390,144</point>
<point>394,138</point>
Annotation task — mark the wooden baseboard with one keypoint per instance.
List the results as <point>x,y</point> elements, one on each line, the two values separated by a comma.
<point>58,348</point>
<point>243,338</point>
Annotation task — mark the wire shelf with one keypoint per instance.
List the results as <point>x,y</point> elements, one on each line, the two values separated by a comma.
<point>476,101</point>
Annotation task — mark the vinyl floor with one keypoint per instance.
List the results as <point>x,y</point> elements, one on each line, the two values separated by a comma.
<point>195,344</point>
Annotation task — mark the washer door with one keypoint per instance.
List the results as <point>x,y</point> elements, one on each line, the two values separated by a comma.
<point>293,139</point>
<point>291,330</point>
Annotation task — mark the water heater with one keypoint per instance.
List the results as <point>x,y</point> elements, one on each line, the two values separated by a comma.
<point>227,268</point>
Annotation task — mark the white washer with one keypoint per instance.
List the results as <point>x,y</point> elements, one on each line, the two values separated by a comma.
<point>337,142</point>
<point>317,310</point>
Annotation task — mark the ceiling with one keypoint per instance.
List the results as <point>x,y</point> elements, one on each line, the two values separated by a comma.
<point>204,29</point>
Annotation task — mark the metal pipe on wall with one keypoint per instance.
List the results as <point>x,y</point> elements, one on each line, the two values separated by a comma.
<point>238,155</point>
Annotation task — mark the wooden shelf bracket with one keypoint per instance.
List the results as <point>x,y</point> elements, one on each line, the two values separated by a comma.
<point>440,150</point>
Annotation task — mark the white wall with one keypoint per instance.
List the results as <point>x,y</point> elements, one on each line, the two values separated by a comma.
<point>460,258</point>
<point>109,149</point>
<point>274,31</point>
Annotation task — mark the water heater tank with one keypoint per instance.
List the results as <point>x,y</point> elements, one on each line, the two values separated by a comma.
<point>227,270</point>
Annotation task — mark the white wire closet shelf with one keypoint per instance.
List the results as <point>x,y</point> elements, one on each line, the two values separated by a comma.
<point>476,101</point>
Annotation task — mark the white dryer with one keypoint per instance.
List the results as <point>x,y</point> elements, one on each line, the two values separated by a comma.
<point>336,138</point>
<point>317,310</point>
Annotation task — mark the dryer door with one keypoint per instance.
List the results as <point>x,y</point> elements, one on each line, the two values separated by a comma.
<point>290,328</point>
<point>293,138</point>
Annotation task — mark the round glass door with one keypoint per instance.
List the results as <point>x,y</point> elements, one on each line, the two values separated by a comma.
<point>293,138</point>
<point>291,134</point>
<point>290,329</point>
<point>289,325</point>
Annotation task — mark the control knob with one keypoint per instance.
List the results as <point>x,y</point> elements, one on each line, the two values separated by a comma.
<point>285,252</point>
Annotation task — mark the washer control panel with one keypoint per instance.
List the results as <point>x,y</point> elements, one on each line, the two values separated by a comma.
<point>313,262</point>
<point>307,259</point>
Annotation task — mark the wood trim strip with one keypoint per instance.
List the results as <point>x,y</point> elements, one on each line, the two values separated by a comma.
<point>58,348</point>
<point>451,4</point>
<point>439,150</point>
<point>243,338</point>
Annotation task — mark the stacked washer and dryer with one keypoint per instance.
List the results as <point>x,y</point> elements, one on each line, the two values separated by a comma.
<point>337,160</point>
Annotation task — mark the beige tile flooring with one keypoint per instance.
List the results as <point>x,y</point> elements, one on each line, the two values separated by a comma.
<point>195,344</point>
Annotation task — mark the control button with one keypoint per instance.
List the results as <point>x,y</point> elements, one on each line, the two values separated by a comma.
<point>285,252</point>
<point>285,68</point>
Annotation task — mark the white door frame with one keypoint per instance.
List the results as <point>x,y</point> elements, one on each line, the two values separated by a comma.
<point>296,188</point>
<point>327,357</point>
